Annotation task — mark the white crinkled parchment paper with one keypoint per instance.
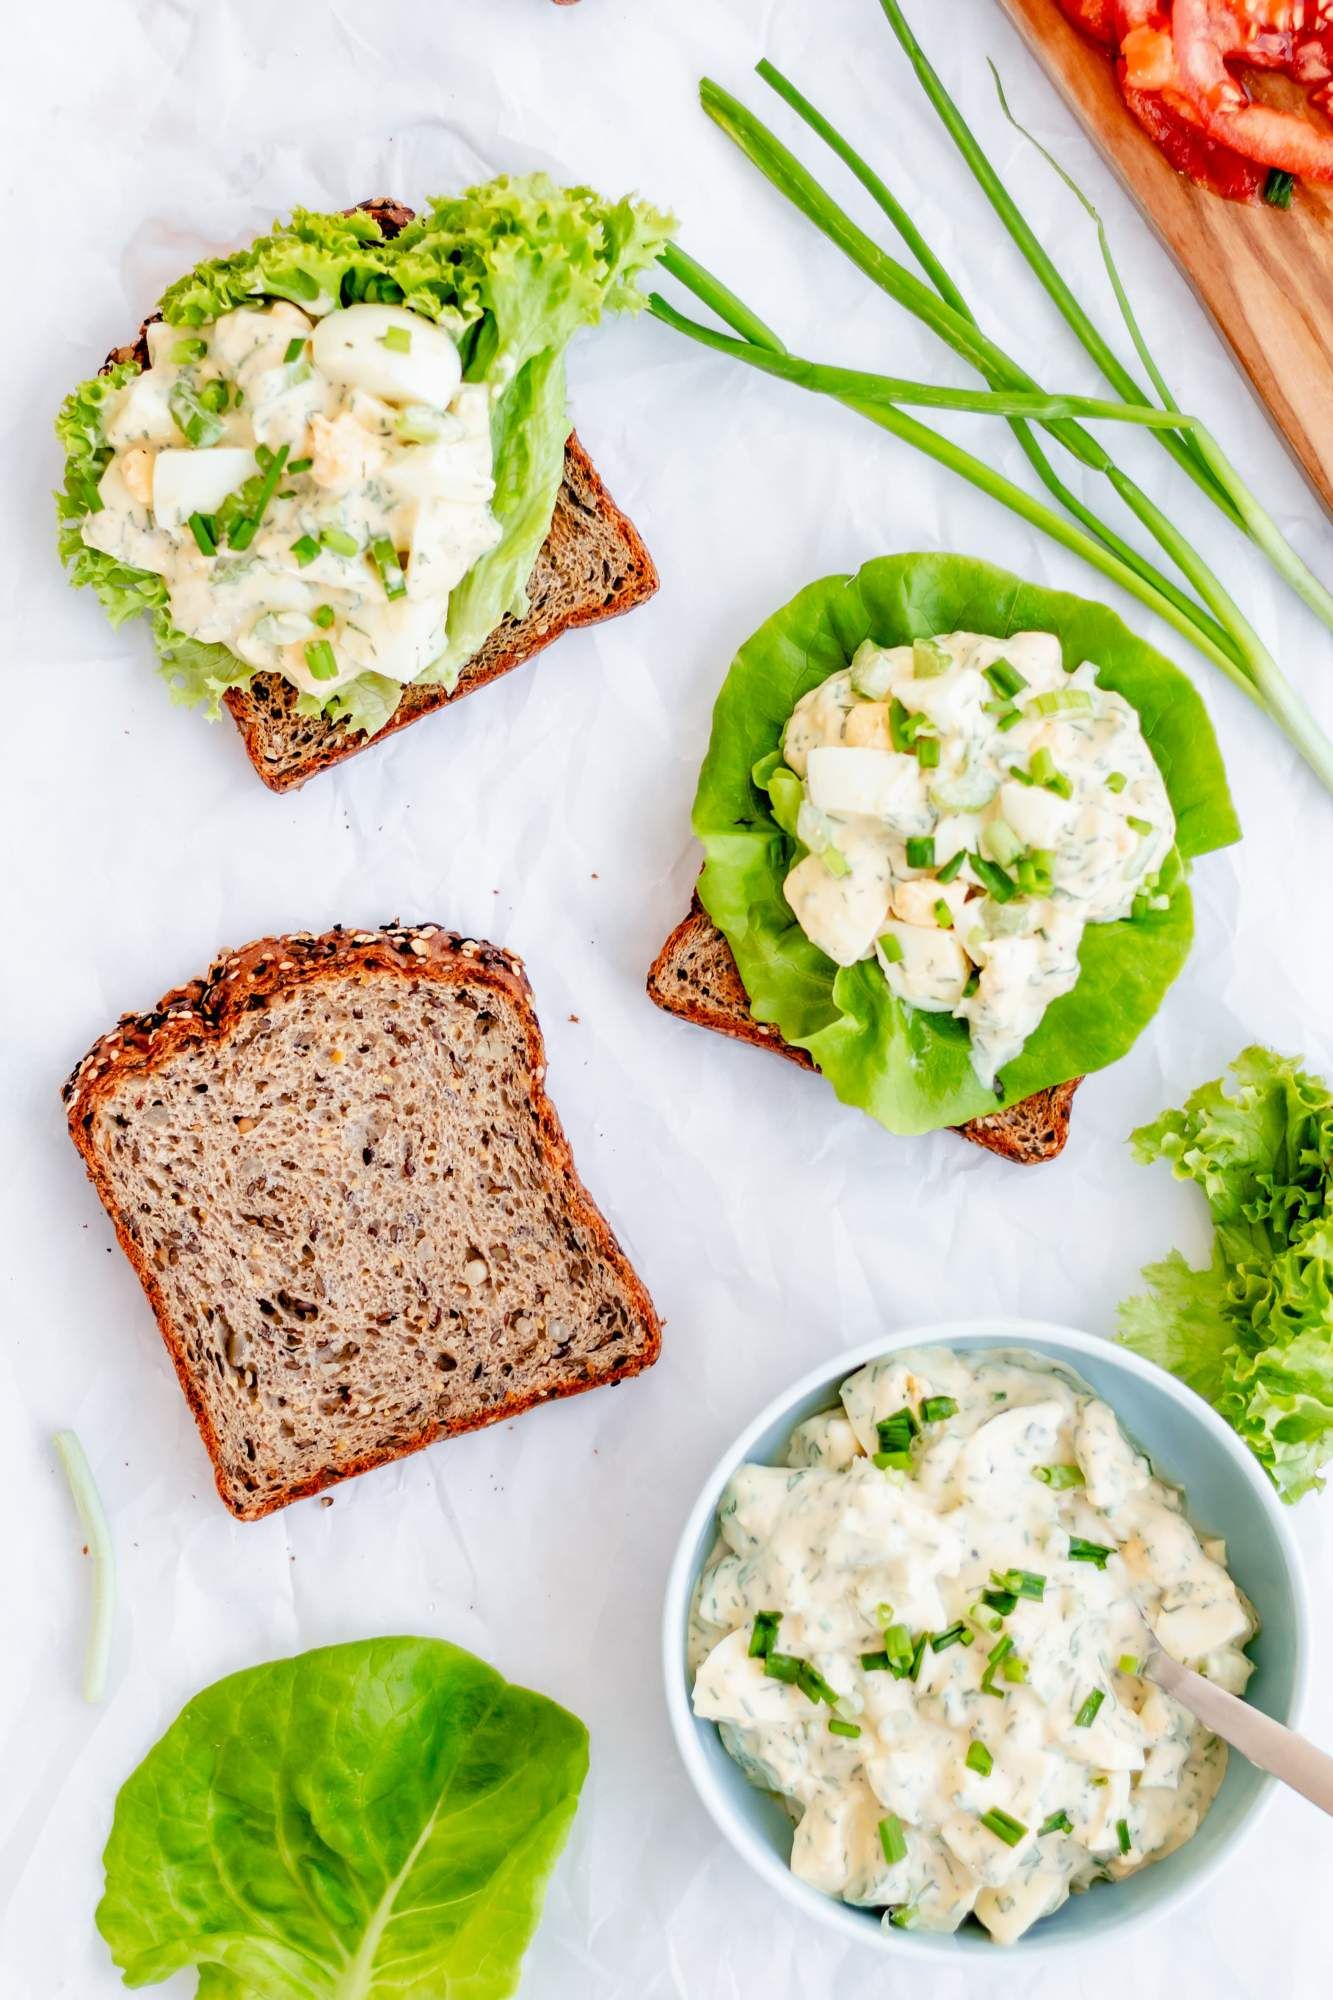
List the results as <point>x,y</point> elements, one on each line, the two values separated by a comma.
<point>551,813</point>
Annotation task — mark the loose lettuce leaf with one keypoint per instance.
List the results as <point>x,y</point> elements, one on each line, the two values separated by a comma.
<point>909,1069</point>
<point>363,1822</point>
<point>512,269</point>
<point>1253,1333</point>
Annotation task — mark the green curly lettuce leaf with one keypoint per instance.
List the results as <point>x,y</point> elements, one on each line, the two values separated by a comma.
<point>1253,1332</point>
<point>363,1822</point>
<point>512,270</point>
<point>910,1069</point>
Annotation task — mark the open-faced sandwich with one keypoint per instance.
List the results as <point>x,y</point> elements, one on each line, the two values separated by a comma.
<point>947,818</point>
<point>337,475</point>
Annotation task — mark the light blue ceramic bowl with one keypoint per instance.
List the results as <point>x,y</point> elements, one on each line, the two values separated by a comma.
<point>1225,1494</point>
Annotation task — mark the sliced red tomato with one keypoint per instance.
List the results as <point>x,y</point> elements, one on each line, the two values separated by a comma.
<point>1208,34</point>
<point>1098,18</point>
<point>1188,147</point>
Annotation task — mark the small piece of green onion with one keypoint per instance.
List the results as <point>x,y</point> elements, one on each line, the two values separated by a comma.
<point>833,858</point>
<point>892,1839</point>
<point>890,948</point>
<point>214,396</point>
<point>1137,825</point>
<point>300,465</point>
<point>895,1433</point>
<point>185,351</point>
<point>1044,773</point>
<point>1129,1663</point>
<point>1010,719</point>
<point>319,658</point>
<point>295,349</point>
<point>1023,1582</point>
<point>1088,1552</point>
<point>938,1409</point>
<point>1058,1477</point>
<point>1002,844</point>
<point>783,1667</point>
<point>943,914</point>
<point>385,558</point>
<point>892,1461</point>
<point>1279,188</point>
<point>1061,701</point>
<point>903,726</point>
<point>1122,1835</point>
<point>1003,1825</point>
<point>241,532</point>
<point>952,866</point>
<point>1057,1822</point>
<point>398,339</point>
<point>1005,679</point>
<point>1002,1601</point>
<point>323,615</point>
<point>305,550</point>
<point>904,1917</point>
<point>951,1636</point>
<point>1032,872</point>
<point>1116,782</point>
<point>418,424</point>
<point>928,752</point>
<point>198,424</point>
<point>921,851</point>
<point>338,539</point>
<point>929,660</point>
<point>837,1727</point>
<point>814,1687</point>
<point>205,533</point>
<point>1000,887</point>
<point>995,1659</point>
<point>979,1759</point>
<point>763,1632</point>
<point>898,1646</point>
<point>1014,1670</point>
<point>1087,1714</point>
<point>876,1663</point>
<point>918,1655</point>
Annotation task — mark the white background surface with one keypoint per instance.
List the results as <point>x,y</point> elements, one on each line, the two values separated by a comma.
<point>551,813</point>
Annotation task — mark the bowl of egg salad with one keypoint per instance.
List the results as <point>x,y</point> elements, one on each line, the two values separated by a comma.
<point>903,1637</point>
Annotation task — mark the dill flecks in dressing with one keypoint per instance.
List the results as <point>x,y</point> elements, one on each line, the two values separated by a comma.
<point>379,508</point>
<point>969,807</point>
<point>1021,1484</point>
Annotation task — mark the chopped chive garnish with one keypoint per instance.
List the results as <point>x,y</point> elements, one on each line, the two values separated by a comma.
<point>300,465</point>
<point>895,1433</point>
<point>305,550</point>
<point>385,558</point>
<point>189,350</point>
<point>1129,1663</point>
<point>200,426</point>
<point>1062,701</point>
<point>213,396</point>
<point>1010,719</point>
<point>936,1409</point>
<point>928,752</point>
<point>891,949</point>
<point>1005,679</point>
<point>952,866</point>
<point>1014,1670</point>
<point>1045,774</point>
<point>902,726</point>
<point>1002,1601</point>
<point>1116,782</point>
<point>763,1633</point>
<point>319,658</point>
<point>1057,1822</point>
<point>1023,1582</point>
<point>295,349</point>
<point>203,529</point>
<point>1001,888</point>
<point>323,615</point>
<point>1088,1552</point>
<point>979,1759</point>
<point>898,1646</point>
<point>1122,1835</point>
<point>246,507</point>
<point>1087,1714</point>
<point>918,1655</point>
<point>814,1687</point>
<point>921,851</point>
<point>339,541</point>
<point>943,914</point>
<point>833,858</point>
<point>995,1659</point>
<point>951,1636</point>
<point>892,1461</point>
<point>398,339</point>
<point>1279,188</point>
<point>876,1663</point>
<point>1058,1477</point>
<point>783,1667</point>
<point>1137,825</point>
<point>1003,1825</point>
<point>892,1839</point>
<point>904,1917</point>
<point>837,1727</point>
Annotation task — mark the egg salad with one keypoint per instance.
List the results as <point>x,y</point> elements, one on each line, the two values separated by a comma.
<point>310,490</point>
<point>966,808</point>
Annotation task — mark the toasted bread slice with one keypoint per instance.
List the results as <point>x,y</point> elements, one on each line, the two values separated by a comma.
<point>335,1169</point>
<point>592,566</point>
<point>695,976</point>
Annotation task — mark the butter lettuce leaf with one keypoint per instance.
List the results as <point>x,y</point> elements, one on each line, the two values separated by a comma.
<point>371,1821</point>
<point>910,1069</point>
<point>1253,1333</point>
<point>512,269</point>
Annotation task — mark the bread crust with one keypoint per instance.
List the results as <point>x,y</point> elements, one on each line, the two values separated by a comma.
<point>583,504</point>
<point>1027,1133</point>
<point>208,1009</point>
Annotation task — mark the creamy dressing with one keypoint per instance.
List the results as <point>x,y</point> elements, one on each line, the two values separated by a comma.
<point>380,507</point>
<point>1031,789</point>
<point>890,1777</point>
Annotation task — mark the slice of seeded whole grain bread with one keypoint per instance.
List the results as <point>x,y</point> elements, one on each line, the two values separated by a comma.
<point>695,976</point>
<point>592,566</point>
<point>334,1166</point>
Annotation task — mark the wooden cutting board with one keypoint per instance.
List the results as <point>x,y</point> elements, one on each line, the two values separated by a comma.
<point>1264,274</point>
